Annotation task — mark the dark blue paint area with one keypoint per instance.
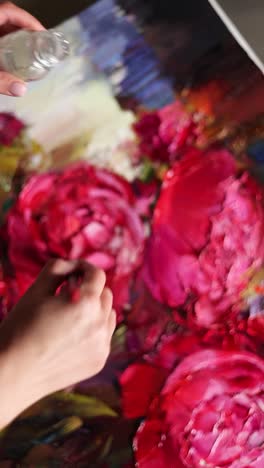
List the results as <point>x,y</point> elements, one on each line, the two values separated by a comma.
<point>119,51</point>
<point>256,151</point>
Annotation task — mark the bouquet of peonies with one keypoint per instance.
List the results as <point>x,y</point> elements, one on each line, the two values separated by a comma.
<point>183,249</point>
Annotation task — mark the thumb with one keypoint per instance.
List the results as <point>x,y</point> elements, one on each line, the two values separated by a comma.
<point>11,85</point>
<point>53,276</point>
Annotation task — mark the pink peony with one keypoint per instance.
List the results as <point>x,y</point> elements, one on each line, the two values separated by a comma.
<point>207,233</point>
<point>210,412</point>
<point>164,134</point>
<point>81,212</point>
<point>142,381</point>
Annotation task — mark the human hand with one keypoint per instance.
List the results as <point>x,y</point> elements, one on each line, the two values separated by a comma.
<point>13,18</point>
<point>48,342</point>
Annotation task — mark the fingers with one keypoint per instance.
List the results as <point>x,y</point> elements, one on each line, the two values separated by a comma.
<point>107,301</point>
<point>56,272</point>
<point>53,275</point>
<point>11,86</point>
<point>107,310</point>
<point>93,282</point>
<point>11,15</point>
<point>11,19</point>
<point>112,321</point>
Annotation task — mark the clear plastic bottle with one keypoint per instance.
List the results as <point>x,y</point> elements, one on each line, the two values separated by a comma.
<point>31,55</point>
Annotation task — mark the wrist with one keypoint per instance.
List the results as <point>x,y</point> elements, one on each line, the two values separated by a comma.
<point>18,391</point>
<point>10,403</point>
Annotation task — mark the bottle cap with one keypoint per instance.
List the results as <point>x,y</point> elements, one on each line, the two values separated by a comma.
<point>52,47</point>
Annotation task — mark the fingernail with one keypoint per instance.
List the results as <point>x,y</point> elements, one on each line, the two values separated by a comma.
<point>18,89</point>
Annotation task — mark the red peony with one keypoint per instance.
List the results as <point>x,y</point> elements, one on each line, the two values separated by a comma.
<point>7,293</point>
<point>10,128</point>
<point>164,134</point>
<point>3,295</point>
<point>210,412</point>
<point>147,321</point>
<point>142,381</point>
<point>207,233</point>
<point>81,212</point>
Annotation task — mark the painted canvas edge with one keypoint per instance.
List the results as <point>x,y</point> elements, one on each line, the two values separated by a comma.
<point>233,25</point>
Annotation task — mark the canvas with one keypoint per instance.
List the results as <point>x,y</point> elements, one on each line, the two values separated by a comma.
<point>154,126</point>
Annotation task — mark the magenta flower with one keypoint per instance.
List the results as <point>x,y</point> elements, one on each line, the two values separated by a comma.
<point>207,234</point>
<point>209,413</point>
<point>165,134</point>
<point>81,212</point>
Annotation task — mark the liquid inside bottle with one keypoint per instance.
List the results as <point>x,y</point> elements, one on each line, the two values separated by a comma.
<point>31,55</point>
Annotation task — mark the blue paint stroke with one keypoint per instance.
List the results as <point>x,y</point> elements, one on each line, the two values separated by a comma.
<point>120,52</point>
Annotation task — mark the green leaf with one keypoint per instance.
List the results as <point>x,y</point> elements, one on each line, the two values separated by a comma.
<point>120,458</point>
<point>22,436</point>
<point>119,340</point>
<point>63,404</point>
<point>50,421</point>
<point>7,205</point>
<point>83,406</point>
<point>58,431</point>
<point>147,171</point>
<point>106,448</point>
